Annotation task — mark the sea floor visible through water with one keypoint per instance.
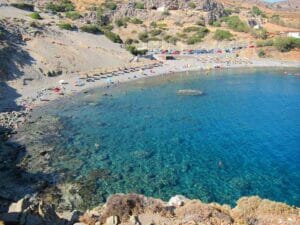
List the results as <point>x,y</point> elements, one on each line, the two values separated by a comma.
<point>241,138</point>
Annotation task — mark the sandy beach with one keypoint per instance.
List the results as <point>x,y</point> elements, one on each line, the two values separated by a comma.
<point>40,91</point>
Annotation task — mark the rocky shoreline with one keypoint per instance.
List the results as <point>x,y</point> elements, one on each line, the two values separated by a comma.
<point>134,209</point>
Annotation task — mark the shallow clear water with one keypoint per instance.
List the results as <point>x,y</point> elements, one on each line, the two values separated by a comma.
<point>241,138</point>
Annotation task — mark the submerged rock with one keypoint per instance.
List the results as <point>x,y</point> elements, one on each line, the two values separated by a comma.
<point>190,92</point>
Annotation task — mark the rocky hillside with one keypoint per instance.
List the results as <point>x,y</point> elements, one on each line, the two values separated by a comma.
<point>133,209</point>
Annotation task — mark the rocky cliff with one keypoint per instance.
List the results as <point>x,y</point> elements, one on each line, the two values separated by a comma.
<point>137,209</point>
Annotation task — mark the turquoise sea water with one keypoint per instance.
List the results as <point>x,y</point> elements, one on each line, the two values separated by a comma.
<point>242,138</point>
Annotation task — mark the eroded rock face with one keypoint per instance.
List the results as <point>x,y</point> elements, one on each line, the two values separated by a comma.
<point>168,4</point>
<point>137,209</point>
<point>249,210</point>
<point>32,211</point>
<point>215,10</point>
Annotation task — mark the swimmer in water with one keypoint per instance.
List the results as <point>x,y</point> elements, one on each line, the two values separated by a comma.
<point>220,164</point>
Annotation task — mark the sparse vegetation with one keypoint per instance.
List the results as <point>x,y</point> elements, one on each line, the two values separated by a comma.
<point>256,11</point>
<point>221,35</point>
<point>136,21</point>
<point>133,50</point>
<point>264,43</point>
<point>286,44</point>
<point>228,12</point>
<point>23,6</point>
<point>143,36</point>
<point>194,39</point>
<point>276,20</point>
<point>103,20</point>
<point>261,53</point>
<point>110,5</point>
<point>236,24</point>
<point>73,15</point>
<point>155,32</point>
<point>139,5</point>
<point>260,33</point>
<point>130,41</point>
<point>170,39</point>
<point>182,35</point>
<point>113,37</point>
<point>35,16</point>
<point>62,6</point>
<point>66,26</point>
<point>201,22</point>
<point>162,26</point>
<point>216,24</point>
<point>191,29</point>
<point>153,24</point>
<point>192,5</point>
<point>90,28</point>
<point>120,23</point>
<point>166,13</point>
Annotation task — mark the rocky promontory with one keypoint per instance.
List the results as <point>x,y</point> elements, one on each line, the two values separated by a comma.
<point>134,209</point>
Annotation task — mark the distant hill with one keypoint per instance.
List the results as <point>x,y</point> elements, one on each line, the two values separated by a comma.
<point>281,5</point>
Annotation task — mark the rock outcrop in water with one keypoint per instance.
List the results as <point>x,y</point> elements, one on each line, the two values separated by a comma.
<point>140,210</point>
<point>190,92</point>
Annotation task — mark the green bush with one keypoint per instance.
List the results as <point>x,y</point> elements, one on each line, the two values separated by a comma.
<point>136,21</point>
<point>129,41</point>
<point>216,24</point>
<point>265,43</point>
<point>191,29</point>
<point>276,20</point>
<point>286,44</point>
<point>133,50</point>
<point>201,22</point>
<point>155,32</point>
<point>202,32</point>
<point>260,33</point>
<point>110,5</point>
<point>23,6</point>
<point>35,16</point>
<point>62,6</point>
<point>192,5</point>
<point>144,37</point>
<point>256,11</point>
<point>194,39</point>
<point>107,27</point>
<point>120,23</point>
<point>139,5</point>
<point>73,15</point>
<point>162,26</point>
<point>153,24</point>
<point>228,11</point>
<point>113,37</point>
<point>103,20</point>
<point>170,39</point>
<point>182,35</point>
<point>261,53</point>
<point>221,35</point>
<point>93,29</point>
<point>236,24</point>
<point>66,26</point>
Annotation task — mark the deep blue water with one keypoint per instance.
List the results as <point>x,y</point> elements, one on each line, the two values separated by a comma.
<point>242,138</point>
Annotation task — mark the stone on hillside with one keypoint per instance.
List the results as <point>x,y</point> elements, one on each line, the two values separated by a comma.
<point>113,220</point>
<point>177,200</point>
<point>134,220</point>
